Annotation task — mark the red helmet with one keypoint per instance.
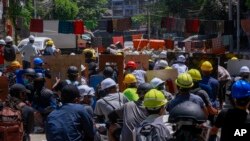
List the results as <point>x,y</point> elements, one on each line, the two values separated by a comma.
<point>131,64</point>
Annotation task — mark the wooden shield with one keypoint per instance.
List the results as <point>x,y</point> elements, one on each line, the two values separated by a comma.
<point>4,87</point>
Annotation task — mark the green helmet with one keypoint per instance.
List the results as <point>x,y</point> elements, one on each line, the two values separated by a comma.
<point>154,99</point>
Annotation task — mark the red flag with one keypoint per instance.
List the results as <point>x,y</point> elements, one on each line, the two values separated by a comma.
<point>78,27</point>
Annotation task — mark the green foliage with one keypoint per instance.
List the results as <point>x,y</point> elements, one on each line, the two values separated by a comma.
<point>213,10</point>
<point>247,3</point>
<point>139,19</point>
<point>91,9</point>
<point>65,10</point>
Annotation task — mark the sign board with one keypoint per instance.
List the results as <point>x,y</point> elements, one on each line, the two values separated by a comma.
<point>58,65</point>
<point>169,74</point>
<point>140,60</point>
<point>233,66</point>
<point>4,88</point>
<point>116,62</point>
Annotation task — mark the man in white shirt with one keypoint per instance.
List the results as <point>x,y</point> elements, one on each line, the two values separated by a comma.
<point>28,51</point>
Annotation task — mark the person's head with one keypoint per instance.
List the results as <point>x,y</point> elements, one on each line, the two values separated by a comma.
<point>108,72</point>
<point>158,83</point>
<point>131,66</point>
<point>206,68</point>
<point>87,93</point>
<point>244,72</point>
<point>38,62</point>
<point>31,39</point>
<point>196,76</point>
<point>49,43</point>
<point>109,86</point>
<point>14,65</point>
<point>92,66</point>
<point>130,81</point>
<point>181,59</point>
<point>28,76</point>
<point>163,55</point>
<point>18,91</point>
<point>88,44</point>
<point>234,58</point>
<point>39,81</point>
<point>241,93</point>
<point>70,94</point>
<point>155,102</point>
<point>2,43</point>
<point>143,89</point>
<point>184,83</point>
<point>72,73</point>
<point>162,64</point>
<point>9,40</point>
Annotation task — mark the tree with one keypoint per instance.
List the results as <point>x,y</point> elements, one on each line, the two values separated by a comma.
<point>91,9</point>
<point>65,9</point>
<point>213,10</point>
<point>19,10</point>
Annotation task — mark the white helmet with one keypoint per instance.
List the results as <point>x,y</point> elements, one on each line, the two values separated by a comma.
<point>155,82</point>
<point>163,63</point>
<point>31,38</point>
<point>85,90</point>
<point>163,54</point>
<point>244,69</point>
<point>8,39</point>
<point>107,83</point>
<point>181,58</point>
<point>2,42</point>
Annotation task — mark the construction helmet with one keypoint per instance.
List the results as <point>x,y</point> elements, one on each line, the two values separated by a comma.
<point>15,64</point>
<point>155,82</point>
<point>195,74</point>
<point>2,42</point>
<point>181,59</point>
<point>206,66</point>
<point>184,80</point>
<point>234,58</point>
<point>38,61</point>
<point>8,39</point>
<point>129,78</point>
<point>107,83</point>
<point>244,69</point>
<point>154,99</point>
<point>50,43</point>
<point>131,64</point>
<point>72,70</point>
<point>241,89</point>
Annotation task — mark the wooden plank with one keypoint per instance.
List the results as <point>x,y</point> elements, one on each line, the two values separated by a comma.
<point>140,60</point>
<point>113,61</point>
<point>4,88</point>
<point>169,74</point>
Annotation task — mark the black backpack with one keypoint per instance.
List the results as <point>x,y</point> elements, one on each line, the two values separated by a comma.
<point>9,53</point>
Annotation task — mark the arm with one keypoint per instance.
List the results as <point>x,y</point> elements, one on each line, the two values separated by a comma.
<point>88,127</point>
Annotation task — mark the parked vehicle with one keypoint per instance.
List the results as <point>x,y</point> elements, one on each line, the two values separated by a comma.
<point>40,42</point>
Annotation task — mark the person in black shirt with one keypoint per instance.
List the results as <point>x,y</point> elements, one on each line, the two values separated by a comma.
<point>232,121</point>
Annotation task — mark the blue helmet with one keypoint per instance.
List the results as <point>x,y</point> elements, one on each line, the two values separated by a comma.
<point>38,61</point>
<point>241,89</point>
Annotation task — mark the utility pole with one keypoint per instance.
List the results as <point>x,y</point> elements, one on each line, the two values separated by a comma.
<point>238,26</point>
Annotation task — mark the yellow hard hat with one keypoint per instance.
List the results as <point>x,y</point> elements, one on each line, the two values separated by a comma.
<point>129,78</point>
<point>154,99</point>
<point>168,68</point>
<point>234,58</point>
<point>184,80</point>
<point>206,66</point>
<point>15,64</point>
<point>195,74</point>
<point>50,43</point>
<point>119,53</point>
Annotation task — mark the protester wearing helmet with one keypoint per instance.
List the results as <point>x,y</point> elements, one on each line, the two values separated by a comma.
<point>50,48</point>
<point>90,53</point>
<point>180,64</point>
<point>113,99</point>
<point>132,113</point>
<point>152,127</point>
<point>160,65</point>
<point>196,76</point>
<point>229,120</point>
<point>210,84</point>
<point>159,84</point>
<point>10,50</point>
<point>38,67</point>
<point>86,98</point>
<point>223,78</point>
<point>12,71</point>
<point>131,87</point>
<point>184,83</point>
<point>28,51</point>
<point>131,67</point>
